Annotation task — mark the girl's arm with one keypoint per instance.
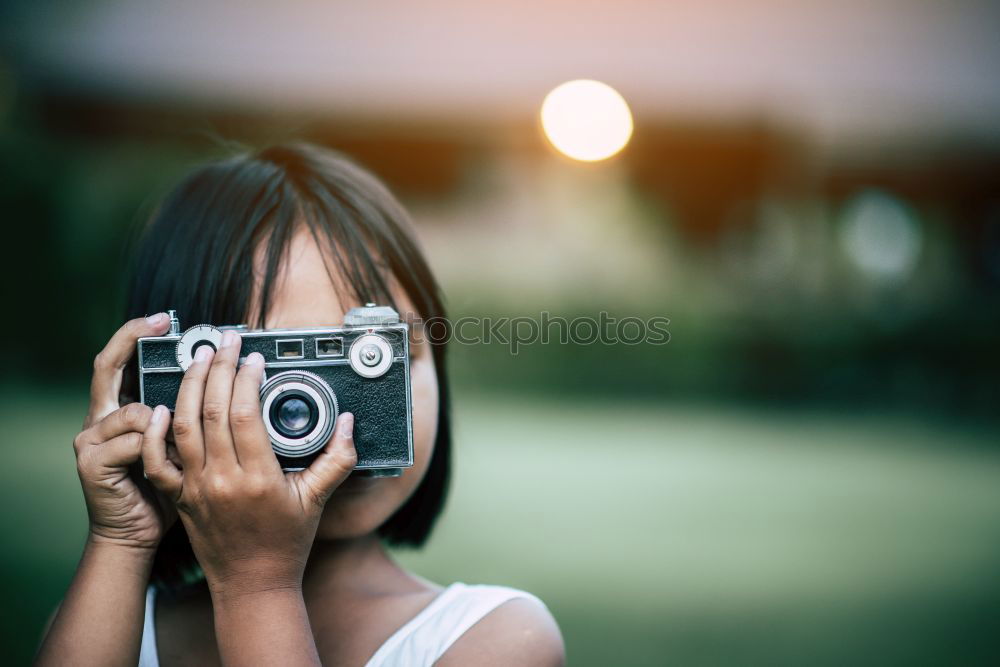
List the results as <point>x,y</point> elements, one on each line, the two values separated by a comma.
<point>251,526</point>
<point>266,627</point>
<point>100,620</point>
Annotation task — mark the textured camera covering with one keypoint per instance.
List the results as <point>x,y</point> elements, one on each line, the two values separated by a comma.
<point>159,353</point>
<point>379,406</point>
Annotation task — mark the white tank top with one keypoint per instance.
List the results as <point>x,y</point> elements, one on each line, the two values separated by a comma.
<point>421,641</point>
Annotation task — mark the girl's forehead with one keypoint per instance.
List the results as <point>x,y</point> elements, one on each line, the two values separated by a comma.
<point>309,290</point>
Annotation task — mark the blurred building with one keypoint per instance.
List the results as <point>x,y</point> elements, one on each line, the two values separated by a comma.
<point>811,189</point>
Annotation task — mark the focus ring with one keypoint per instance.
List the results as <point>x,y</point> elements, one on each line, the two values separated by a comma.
<point>301,383</point>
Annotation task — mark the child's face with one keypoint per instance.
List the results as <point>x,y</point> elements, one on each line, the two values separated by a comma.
<point>305,296</point>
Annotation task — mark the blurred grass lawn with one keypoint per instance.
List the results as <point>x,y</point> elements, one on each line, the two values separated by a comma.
<point>656,533</point>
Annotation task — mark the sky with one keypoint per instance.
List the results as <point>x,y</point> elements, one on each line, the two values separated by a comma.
<point>838,69</point>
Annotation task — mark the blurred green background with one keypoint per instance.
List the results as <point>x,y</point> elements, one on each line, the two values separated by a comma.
<point>806,474</point>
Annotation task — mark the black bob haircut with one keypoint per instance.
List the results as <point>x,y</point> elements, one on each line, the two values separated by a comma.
<point>196,255</point>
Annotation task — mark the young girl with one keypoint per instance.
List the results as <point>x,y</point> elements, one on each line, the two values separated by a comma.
<point>220,556</point>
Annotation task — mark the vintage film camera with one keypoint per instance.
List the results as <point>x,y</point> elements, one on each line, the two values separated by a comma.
<point>311,375</point>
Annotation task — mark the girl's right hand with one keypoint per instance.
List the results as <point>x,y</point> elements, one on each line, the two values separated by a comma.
<point>251,525</point>
<point>121,512</point>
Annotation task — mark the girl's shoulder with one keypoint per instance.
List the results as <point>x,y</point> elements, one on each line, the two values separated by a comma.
<point>519,630</point>
<point>477,624</point>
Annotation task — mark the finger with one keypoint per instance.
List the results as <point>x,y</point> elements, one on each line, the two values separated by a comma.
<point>215,406</point>
<point>335,463</point>
<point>131,417</point>
<point>187,412</point>
<point>158,468</point>
<point>108,364</point>
<point>122,450</point>
<point>253,446</point>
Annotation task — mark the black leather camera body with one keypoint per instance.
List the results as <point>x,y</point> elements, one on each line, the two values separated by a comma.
<point>311,376</point>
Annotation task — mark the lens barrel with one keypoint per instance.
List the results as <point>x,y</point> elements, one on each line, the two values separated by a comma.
<point>299,410</point>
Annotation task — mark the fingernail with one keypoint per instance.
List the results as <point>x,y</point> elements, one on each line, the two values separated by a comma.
<point>229,338</point>
<point>254,358</point>
<point>203,353</point>
<point>346,424</point>
<point>158,318</point>
<point>157,414</point>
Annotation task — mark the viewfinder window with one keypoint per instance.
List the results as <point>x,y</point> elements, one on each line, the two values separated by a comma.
<point>289,349</point>
<point>329,347</point>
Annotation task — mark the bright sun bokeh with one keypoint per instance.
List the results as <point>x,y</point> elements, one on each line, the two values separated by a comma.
<point>586,120</point>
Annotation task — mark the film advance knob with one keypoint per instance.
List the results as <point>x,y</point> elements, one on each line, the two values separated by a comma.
<point>192,339</point>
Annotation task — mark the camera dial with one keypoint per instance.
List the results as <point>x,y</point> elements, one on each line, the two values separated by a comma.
<point>371,356</point>
<point>192,339</point>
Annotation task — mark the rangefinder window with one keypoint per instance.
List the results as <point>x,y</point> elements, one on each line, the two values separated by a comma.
<point>288,349</point>
<point>329,347</point>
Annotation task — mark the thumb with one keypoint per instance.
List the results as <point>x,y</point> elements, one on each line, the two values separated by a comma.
<point>335,463</point>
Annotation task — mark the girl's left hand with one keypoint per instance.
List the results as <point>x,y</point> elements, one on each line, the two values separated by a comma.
<point>251,525</point>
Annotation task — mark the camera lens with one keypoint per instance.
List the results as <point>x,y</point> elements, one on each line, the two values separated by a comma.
<point>294,414</point>
<point>299,410</point>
